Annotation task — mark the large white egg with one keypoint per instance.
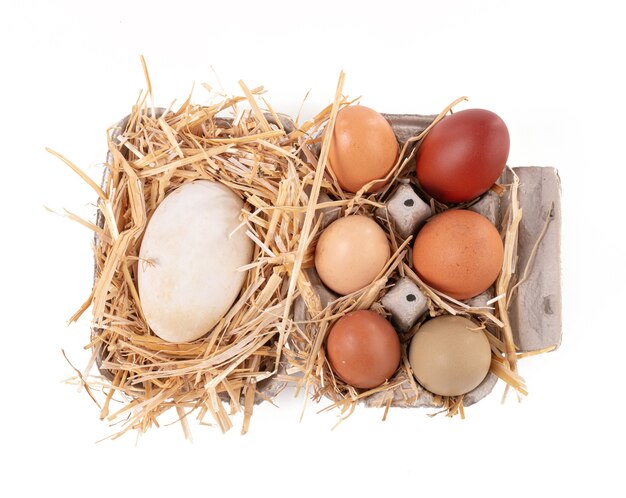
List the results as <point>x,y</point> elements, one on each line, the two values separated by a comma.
<point>187,271</point>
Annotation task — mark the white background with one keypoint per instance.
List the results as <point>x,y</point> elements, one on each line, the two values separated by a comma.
<point>552,70</point>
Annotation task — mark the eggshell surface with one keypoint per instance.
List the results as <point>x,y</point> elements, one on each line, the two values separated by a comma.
<point>187,270</point>
<point>450,355</point>
<point>350,253</point>
<point>363,349</point>
<point>463,155</point>
<point>363,148</point>
<point>459,253</point>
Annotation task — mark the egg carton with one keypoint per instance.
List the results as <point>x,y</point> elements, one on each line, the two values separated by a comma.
<point>535,310</point>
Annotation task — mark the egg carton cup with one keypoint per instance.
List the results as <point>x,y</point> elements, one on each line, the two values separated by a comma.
<point>535,307</point>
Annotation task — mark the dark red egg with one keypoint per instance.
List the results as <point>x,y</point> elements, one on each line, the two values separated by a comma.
<point>463,155</point>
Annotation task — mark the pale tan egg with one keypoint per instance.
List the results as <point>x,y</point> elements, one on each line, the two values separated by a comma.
<point>350,253</point>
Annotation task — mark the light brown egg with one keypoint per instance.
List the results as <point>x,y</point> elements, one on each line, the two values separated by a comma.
<point>350,253</point>
<point>459,253</point>
<point>363,148</point>
<point>363,349</point>
<point>450,355</point>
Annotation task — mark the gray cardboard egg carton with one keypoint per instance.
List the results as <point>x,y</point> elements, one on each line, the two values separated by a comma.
<point>535,311</point>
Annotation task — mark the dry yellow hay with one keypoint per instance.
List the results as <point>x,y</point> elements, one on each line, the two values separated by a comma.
<point>273,166</point>
<point>151,153</point>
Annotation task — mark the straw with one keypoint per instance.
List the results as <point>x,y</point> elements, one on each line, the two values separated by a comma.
<point>151,154</point>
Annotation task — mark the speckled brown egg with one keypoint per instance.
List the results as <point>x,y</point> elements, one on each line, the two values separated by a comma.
<point>450,355</point>
<point>459,253</point>
<point>363,349</point>
<point>363,148</point>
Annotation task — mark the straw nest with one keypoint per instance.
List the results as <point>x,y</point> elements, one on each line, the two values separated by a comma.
<point>279,169</point>
<point>151,153</point>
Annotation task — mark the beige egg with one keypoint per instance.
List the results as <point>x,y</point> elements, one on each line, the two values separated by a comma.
<point>350,253</point>
<point>450,355</point>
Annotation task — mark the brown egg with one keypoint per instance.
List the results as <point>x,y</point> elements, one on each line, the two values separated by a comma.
<point>459,253</point>
<point>363,349</point>
<point>363,148</point>
<point>449,355</point>
<point>350,253</point>
<point>463,155</point>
